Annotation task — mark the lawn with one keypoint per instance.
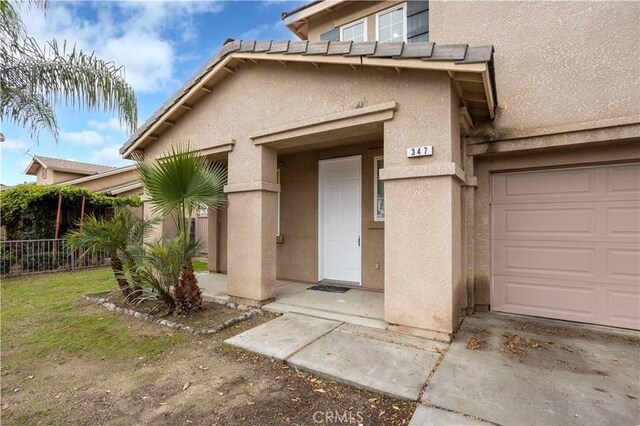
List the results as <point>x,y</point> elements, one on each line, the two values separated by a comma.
<point>65,360</point>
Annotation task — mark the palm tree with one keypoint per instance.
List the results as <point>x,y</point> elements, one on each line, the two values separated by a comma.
<point>114,236</point>
<point>34,79</point>
<point>179,183</point>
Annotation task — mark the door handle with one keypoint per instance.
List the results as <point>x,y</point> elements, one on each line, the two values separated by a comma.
<point>358,240</point>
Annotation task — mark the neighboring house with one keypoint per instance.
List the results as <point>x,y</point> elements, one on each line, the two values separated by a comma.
<point>119,182</point>
<point>393,148</point>
<point>49,171</point>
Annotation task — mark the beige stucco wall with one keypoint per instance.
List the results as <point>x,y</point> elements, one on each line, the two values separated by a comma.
<point>109,181</point>
<point>348,14</point>
<point>54,176</point>
<point>556,63</point>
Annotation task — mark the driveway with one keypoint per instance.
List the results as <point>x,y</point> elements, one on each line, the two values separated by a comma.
<point>515,370</point>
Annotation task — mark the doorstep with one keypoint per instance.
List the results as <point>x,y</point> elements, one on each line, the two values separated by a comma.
<point>367,358</point>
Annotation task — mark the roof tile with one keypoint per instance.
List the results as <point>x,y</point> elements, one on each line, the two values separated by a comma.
<point>363,49</point>
<point>477,54</point>
<point>416,50</point>
<point>447,52</point>
<point>388,50</point>
<point>317,48</point>
<point>262,46</point>
<point>339,48</point>
<point>297,47</point>
<point>279,46</point>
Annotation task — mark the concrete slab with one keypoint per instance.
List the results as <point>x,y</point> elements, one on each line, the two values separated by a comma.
<point>388,368</point>
<point>282,308</point>
<point>397,338</point>
<point>431,416</point>
<point>356,302</point>
<point>283,336</point>
<point>570,373</point>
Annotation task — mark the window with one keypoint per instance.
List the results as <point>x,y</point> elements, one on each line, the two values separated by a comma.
<point>356,31</point>
<point>378,190</point>
<point>391,25</point>
<point>278,206</point>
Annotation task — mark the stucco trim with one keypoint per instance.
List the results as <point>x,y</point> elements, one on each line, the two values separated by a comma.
<point>219,149</point>
<point>251,186</point>
<point>343,119</point>
<point>427,170</point>
<point>554,140</point>
<point>98,176</point>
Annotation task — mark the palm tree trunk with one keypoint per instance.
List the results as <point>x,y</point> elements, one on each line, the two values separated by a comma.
<point>188,294</point>
<point>118,272</point>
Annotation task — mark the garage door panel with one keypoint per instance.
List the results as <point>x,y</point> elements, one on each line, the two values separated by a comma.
<point>623,263</point>
<point>622,308</point>
<point>541,298</point>
<point>544,221</point>
<point>623,181</point>
<point>566,244</point>
<point>623,221</point>
<point>578,184</point>
<point>570,262</point>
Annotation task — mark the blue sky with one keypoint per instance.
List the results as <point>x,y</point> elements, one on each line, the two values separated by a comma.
<point>160,44</point>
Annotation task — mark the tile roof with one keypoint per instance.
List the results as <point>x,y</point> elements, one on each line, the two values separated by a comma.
<point>426,51</point>
<point>69,166</point>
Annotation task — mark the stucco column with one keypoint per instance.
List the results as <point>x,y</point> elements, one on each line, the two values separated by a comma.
<point>252,197</point>
<point>424,289</point>
<point>212,240</point>
<point>148,213</point>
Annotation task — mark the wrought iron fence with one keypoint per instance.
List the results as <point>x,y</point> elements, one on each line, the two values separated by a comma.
<point>23,257</point>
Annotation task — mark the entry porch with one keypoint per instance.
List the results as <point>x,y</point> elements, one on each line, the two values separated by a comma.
<point>355,306</point>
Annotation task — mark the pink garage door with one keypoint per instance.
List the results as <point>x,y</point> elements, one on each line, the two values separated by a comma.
<point>566,244</point>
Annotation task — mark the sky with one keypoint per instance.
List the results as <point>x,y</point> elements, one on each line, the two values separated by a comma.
<point>160,44</point>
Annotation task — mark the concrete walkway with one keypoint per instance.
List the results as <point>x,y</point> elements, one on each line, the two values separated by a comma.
<point>367,358</point>
<point>509,369</point>
<point>500,369</point>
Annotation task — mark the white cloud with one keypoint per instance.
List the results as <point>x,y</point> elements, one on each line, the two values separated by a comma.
<point>109,156</point>
<point>140,36</point>
<point>112,124</point>
<point>13,145</point>
<point>88,138</point>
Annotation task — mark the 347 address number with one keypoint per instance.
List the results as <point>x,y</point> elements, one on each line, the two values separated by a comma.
<point>420,151</point>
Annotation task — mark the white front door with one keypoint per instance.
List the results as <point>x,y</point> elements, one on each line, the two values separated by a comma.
<point>340,218</point>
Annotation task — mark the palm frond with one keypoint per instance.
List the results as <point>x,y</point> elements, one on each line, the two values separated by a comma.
<point>183,179</point>
<point>28,109</point>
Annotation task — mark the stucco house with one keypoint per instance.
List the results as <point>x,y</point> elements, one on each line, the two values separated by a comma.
<point>49,171</point>
<point>452,155</point>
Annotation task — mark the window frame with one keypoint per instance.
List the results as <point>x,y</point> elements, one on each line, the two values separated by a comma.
<point>402,6</point>
<point>375,187</point>
<point>351,24</point>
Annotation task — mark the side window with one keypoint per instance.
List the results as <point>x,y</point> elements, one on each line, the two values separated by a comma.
<point>378,190</point>
<point>355,31</point>
<point>391,25</point>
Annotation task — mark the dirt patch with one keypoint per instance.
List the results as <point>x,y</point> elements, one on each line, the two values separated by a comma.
<point>210,316</point>
<point>478,340</point>
<point>517,345</point>
<point>200,381</point>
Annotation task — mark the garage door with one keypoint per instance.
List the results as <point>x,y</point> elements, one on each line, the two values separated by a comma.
<point>566,244</point>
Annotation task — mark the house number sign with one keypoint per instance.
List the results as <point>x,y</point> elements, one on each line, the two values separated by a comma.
<point>420,151</point>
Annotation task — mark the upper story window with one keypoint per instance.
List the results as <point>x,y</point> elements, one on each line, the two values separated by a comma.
<point>355,31</point>
<point>391,25</point>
